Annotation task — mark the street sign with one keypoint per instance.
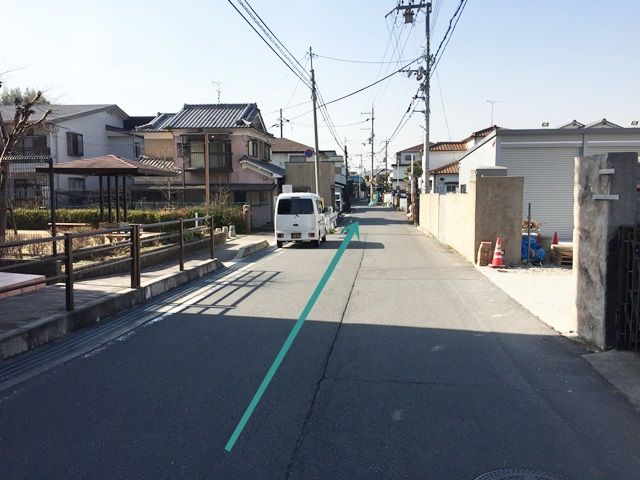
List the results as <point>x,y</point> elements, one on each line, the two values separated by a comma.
<point>308,153</point>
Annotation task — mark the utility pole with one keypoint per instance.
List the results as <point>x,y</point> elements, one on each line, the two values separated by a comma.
<point>316,160</point>
<point>372,136</point>
<point>386,144</point>
<point>280,123</point>
<point>372,155</point>
<point>423,74</point>
<point>347,184</point>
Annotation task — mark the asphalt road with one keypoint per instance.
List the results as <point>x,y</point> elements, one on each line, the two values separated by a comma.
<point>411,365</point>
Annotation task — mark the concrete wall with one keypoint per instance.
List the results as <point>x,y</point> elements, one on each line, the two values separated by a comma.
<point>595,254</point>
<point>491,208</point>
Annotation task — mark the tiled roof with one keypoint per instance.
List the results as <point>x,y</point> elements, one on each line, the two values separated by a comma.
<point>275,170</point>
<point>448,147</point>
<point>158,124</point>
<point>604,123</point>
<point>219,115</point>
<point>417,148</point>
<point>284,145</point>
<point>572,124</point>
<point>109,165</point>
<point>60,112</point>
<point>451,168</point>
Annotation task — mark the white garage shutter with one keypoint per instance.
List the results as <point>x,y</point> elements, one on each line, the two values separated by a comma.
<point>548,184</point>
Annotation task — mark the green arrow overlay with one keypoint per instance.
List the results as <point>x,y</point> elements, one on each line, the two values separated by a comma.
<point>350,230</point>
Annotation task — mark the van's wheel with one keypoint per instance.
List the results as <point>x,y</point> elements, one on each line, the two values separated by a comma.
<point>279,243</point>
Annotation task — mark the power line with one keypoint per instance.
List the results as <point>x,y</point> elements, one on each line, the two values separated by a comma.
<point>270,46</point>
<point>371,84</point>
<point>359,61</point>
<point>448,34</point>
<point>275,37</point>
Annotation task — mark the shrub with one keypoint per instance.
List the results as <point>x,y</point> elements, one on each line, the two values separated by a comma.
<point>37,219</point>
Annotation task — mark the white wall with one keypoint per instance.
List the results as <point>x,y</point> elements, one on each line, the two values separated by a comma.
<point>483,156</point>
<point>95,138</point>
<point>440,159</point>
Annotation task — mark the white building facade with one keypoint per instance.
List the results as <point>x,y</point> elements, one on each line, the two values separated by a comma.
<point>545,158</point>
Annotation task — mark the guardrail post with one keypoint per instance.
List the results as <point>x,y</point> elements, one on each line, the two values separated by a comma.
<point>135,256</point>
<point>68,270</point>
<point>181,244</point>
<point>212,241</point>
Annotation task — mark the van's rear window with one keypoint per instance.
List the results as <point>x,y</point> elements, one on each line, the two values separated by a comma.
<point>295,206</point>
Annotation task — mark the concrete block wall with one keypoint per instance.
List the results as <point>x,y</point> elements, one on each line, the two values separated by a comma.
<point>491,208</point>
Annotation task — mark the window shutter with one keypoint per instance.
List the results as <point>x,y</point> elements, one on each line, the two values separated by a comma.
<point>70,144</point>
<point>80,145</point>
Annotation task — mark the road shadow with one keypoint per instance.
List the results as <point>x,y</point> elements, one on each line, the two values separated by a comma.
<point>365,401</point>
<point>332,244</point>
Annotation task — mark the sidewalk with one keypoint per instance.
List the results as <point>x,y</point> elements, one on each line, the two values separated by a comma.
<point>38,317</point>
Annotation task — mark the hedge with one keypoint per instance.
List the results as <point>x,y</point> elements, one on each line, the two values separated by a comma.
<point>37,219</point>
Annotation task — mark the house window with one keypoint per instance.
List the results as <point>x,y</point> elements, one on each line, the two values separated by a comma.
<point>297,158</point>
<point>220,155</point>
<point>75,147</point>
<point>267,152</point>
<point>451,187</point>
<point>253,148</point>
<point>23,189</point>
<point>463,188</point>
<point>76,184</point>
<point>32,145</point>
<point>196,154</point>
<point>138,150</point>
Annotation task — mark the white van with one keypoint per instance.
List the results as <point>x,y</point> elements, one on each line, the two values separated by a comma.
<point>299,218</point>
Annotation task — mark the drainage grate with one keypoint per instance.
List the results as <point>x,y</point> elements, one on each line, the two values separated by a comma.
<point>518,474</point>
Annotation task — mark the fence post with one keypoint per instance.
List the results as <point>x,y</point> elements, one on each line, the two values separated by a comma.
<point>68,270</point>
<point>135,256</point>
<point>181,244</point>
<point>212,244</point>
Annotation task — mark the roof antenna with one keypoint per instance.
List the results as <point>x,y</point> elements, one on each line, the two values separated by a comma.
<point>217,84</point>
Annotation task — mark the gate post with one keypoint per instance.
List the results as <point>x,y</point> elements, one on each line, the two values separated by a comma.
<point>605,198</point>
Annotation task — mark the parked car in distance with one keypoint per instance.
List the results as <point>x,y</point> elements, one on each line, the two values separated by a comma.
<point>300,218</point>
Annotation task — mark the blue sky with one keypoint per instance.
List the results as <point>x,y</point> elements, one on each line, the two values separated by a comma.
<point>541,60</point>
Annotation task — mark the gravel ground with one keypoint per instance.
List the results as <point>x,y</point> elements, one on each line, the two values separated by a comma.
<point>548,292</point>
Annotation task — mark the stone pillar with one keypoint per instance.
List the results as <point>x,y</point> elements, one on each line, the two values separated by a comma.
<point>246,214</point>
<point>604,199</point>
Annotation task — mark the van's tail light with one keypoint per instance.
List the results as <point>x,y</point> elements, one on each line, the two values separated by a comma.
<point>281,235</point>
<point>312,235</point>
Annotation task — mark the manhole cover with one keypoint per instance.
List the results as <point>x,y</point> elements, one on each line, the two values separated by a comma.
<point>518,474</point>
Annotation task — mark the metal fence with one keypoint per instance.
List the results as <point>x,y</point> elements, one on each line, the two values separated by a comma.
<point>111,246</point>
<point>628,311</point>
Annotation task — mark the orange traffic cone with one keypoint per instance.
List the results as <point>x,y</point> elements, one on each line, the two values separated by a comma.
<point>496,262</point>
<point>555,239</point>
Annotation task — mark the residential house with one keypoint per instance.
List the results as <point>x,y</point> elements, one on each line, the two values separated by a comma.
<point>69,133</point>
<point>545,158</point>
<point>441,154</point>
<point>300,169</point>
<point>232,140</point>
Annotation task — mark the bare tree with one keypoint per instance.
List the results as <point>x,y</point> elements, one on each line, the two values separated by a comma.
<point>8,138</point>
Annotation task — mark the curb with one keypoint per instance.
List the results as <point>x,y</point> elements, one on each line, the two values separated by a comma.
<point>47,329</point>
<point>250,249</point>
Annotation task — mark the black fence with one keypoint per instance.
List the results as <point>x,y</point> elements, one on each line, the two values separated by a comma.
<point>628,309</point>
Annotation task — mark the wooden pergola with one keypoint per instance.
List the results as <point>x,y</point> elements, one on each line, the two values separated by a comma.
<point>111,167</point>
